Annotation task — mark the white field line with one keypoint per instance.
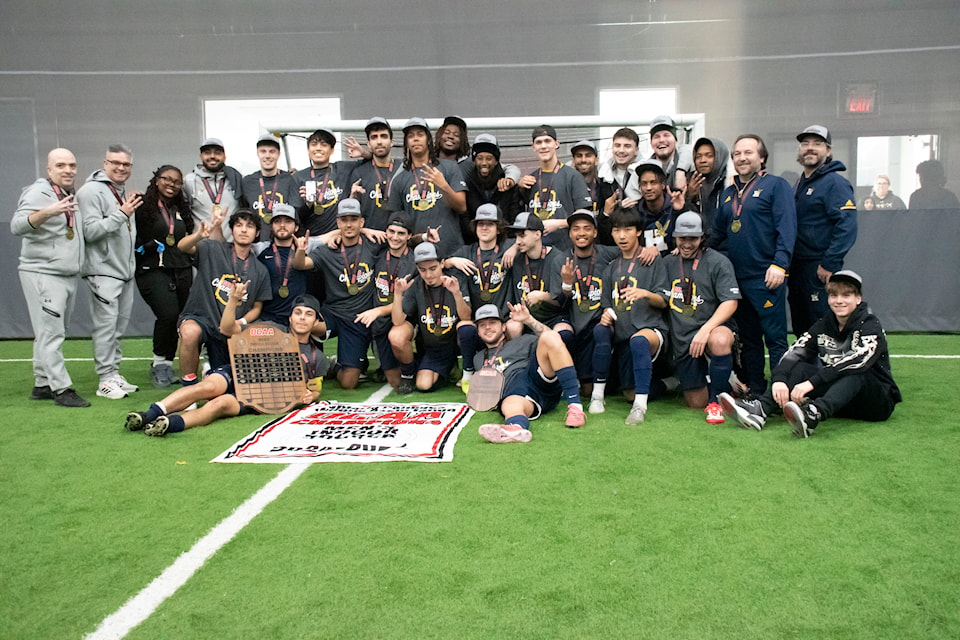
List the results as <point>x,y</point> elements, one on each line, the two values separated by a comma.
<point>892,355</point>
<point>118,624</point>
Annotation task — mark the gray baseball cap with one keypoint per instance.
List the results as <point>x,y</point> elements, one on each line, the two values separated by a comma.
<point>527,221</point>
<point>268,139</point>
<point>486,311</point>
<point>211,142</point>
<point>284,209</point>
<point>487,212</point>
<point>425,251</point>
<point>663,123</point>
<point>584,144</point>
<point>349,207</point>
<point>415,122</point>
<point>851,277</point>
<point>582,214</point>
<point>377,121</point>
<point>815,130</point>
<point>688,225</point>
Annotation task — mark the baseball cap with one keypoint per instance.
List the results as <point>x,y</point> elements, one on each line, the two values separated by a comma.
<point>688,225</point>
<point>425,251</point>
<point>377,121</point>
<point>527,221</point>
<point>487,212</point>
<point>457,120</point>
<point>415,122</point>
<point>306,300</point>
<point>268,139</point>
<point>649,164</point>
<point>486,142</point>
<point>284,209</point>
<point>848,276</point>
<point>663,123</point>
<point>584,144</point>
<point>324,135</point>
<point>486,311</point>
<point>815,130</point>
<point>582,214</point>
<point>544,130</point>
<point>400,219</point>
<point>349,207</point>
<point>211,142</point>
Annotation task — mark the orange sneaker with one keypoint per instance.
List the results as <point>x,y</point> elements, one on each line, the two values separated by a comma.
<point>575,417</point>
<point>714,413</point>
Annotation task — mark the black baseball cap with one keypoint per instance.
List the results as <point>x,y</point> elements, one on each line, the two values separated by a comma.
<point>526,221</point>
<point>582,214</point>
<point>544,130</point>
<point>324,135</point>
<point>308,301</point>
<point>457,120</point>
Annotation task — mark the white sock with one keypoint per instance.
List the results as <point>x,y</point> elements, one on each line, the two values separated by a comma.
<point>161,407</point>
<point>466,376</point>
<point>158,360</point>
<point>577,405</point>
<point>640,401</point>
<point>599,389</point>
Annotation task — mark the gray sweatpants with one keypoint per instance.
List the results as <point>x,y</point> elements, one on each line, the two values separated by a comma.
<point>50,301</point>
<point>111,301</point>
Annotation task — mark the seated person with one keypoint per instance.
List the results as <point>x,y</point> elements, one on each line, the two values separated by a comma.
<point>217,387</point>
<point>632,323</point>
<point>839,367</point>
<point>701,297</point>
<point>429,308</point>
<point>537,370</point>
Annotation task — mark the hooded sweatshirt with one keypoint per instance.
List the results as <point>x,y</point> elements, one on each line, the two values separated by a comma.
<point>200,203</point>
<point>110,235</point>
<point>715,182</point>
<point>46,249</point>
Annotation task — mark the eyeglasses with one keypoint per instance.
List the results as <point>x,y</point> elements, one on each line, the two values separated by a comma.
<point>117,163</point>
<point>171,181</point>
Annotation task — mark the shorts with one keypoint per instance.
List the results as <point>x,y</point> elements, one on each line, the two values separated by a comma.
<point>440,360</point>
<point>692,372</point>
<point>385,351</point>
<point>227,373</point>
<point>624,358</point>
<point>218,355</point>
<point>583,346</point>
<point>353,338</point>
<point>543,392</point>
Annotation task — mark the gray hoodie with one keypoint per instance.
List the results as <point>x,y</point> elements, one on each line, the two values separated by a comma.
<point>110,235</point>
<point>47,249</point>
<point>715,183</point>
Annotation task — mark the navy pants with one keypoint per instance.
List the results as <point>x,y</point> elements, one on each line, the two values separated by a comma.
<point>807,296</point>
<point>762,319</point>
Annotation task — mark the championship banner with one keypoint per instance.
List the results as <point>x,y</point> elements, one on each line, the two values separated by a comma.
<point>343,432</point>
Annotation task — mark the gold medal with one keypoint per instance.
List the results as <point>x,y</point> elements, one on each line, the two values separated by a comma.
<point>687,310</point>
<point>217,209</point>
<point>317,208</point>
<point>486,296</point>
<point>353,289</point>
<point>267,216</point>
<point>283,291</point>
<point>583,306</point>
<point>170,240</point>
<point>70,233</point>
<point>735,226</point>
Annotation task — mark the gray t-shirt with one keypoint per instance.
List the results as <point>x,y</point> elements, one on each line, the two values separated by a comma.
<point>347,275</point>
<point>279,189</point>
<point>433,310</point>
<point>511,358</point>
<point>333,185</point>
<point>218,269</point>
<point>426,205</point>
<point>555,196</point>
<point>540,274</point>
<point>693,296</point>
<point>388,269</point>
<point>633,316</point>
<point>376,182</point>
<point>588,286</point>
<point>492,283</point>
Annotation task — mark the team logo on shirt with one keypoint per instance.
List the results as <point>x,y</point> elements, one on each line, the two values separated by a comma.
<point>361,277</point>
<point>545,210</point>
<point>222,287</point>
<point>423,200</point>
<point>496,276</point>
<point>591,301</point>
<point>265,203</point>
<point>620,303</point>
<point>376,194</point>
<point>438,326</point>
<point>524,286</point>
<point>384,285</point>
<point>327,195</point>
<point>677,297</point>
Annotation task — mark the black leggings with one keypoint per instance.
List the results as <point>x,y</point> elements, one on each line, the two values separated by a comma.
<point>166,292</point>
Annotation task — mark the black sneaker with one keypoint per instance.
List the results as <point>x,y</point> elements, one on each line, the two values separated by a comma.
<point>69,398</point>
<point>803,418</point>
<point>405,387</point>
<point>136,421</point>
<point>42,393</point>
<point>749,413</point>
<point>157,428</point>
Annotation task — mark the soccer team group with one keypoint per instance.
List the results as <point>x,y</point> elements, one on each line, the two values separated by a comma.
<point>632,275</point>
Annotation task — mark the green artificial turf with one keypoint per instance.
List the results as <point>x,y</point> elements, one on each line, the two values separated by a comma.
<point>672,529</point>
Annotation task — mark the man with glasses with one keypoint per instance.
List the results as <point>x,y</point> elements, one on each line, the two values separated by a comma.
<point>109,230</point>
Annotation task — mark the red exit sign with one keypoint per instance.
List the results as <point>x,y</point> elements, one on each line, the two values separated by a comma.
<point>859,99</point>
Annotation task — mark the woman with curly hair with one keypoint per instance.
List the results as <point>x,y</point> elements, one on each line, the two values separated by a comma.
<point>164,273</point>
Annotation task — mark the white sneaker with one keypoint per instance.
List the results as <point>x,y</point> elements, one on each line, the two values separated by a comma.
<point>126,386</point>
<point>111,389</point>
<point>636,415</point>
<point>596,405</point>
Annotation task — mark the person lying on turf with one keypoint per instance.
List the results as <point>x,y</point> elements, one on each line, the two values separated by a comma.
<point>839,367</point>
<point>537,370</point>
<point>217,387</point>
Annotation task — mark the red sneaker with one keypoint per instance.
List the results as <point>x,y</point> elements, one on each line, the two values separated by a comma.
<point>575,417</point>
<point>714,413</point>
<point>500,433</point>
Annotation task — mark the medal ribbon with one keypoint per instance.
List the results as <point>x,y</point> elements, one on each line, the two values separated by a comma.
<point>282,270</point>
<point>392,275</point>
<point>273,191</point>
<point>738,199</point>
<point>543,253</point>
<point>61,195</point>
<point>167,217</point>
<point>553,176</point>
<point>119,198</point>
<point>589,279</point>
<point>352,266</point>
<point>486,274</point>
<point>236,271</point>
<point>326,178</point>
<point>215,197</point>
<point>385,193</point>
<point>686,287</point>
<point>436,306</point>
<point>488,362</point>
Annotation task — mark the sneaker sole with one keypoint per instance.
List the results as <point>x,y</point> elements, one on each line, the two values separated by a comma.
<point>794,416</point>
<point>496,434</point>
<point>111,395</point>
<point>741,417</point>
<point>134,422</point>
